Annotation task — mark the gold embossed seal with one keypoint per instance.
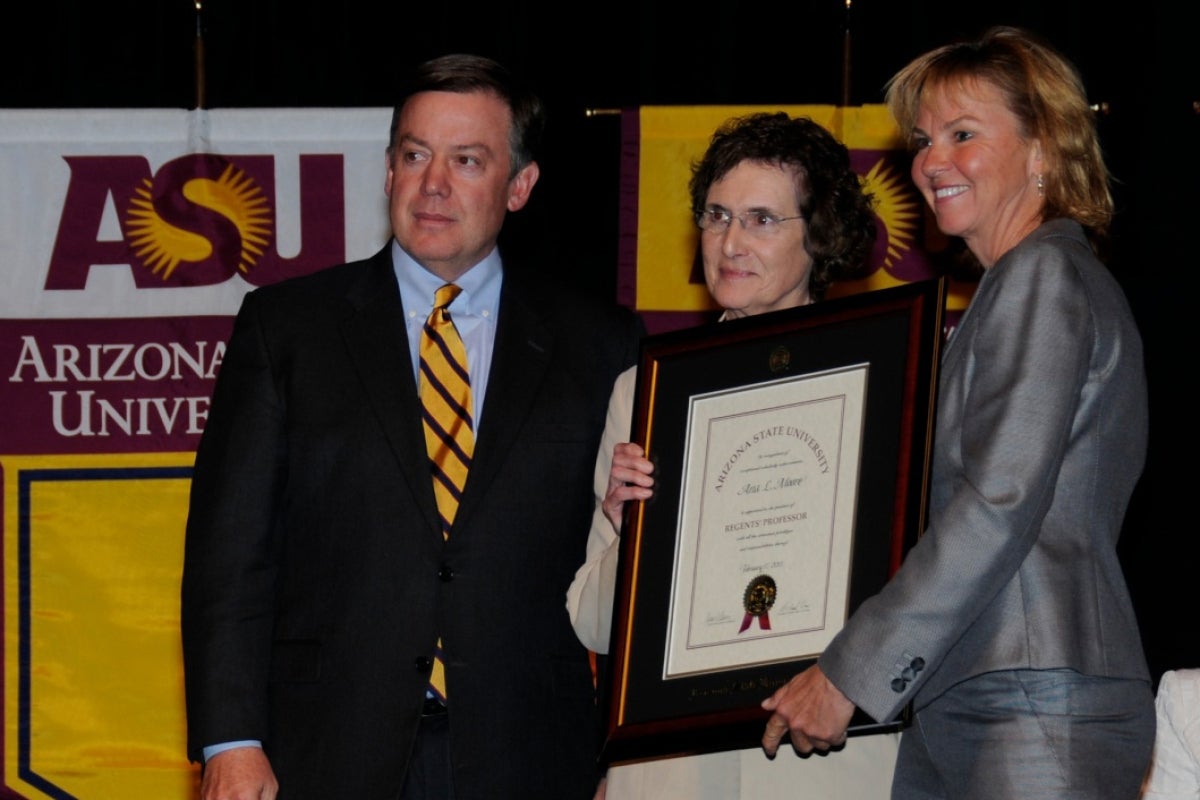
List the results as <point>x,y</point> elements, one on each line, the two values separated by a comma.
<point>758,599</point>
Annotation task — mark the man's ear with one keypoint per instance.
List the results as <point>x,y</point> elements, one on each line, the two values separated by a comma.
<point>521,186</point>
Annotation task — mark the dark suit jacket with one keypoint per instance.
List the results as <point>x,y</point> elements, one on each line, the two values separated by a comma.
<point>1040,439</point>
<point>316,580</point>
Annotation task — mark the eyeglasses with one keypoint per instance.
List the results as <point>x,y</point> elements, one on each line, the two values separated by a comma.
<point>755,223</point>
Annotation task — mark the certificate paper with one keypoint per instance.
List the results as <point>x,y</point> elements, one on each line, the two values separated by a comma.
<point>766,519</point>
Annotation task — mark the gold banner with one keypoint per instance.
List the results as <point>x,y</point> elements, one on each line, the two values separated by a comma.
<point>93,679</point>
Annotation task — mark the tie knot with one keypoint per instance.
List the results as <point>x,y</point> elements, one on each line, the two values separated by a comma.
<point>444,296</point>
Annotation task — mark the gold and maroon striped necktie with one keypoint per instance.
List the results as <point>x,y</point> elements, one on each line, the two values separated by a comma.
<point>448,420</point>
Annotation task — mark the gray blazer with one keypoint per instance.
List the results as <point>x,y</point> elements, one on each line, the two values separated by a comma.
<point>1040,439</point>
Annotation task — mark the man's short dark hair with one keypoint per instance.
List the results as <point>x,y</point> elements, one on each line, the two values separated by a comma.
<point>463,73</point>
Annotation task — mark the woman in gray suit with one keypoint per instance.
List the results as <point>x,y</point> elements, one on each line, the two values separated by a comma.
<point>1009,627</point>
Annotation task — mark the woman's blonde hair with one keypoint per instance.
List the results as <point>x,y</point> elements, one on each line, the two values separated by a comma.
<point>1045,92</point>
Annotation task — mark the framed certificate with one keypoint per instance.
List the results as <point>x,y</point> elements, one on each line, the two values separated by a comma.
<point>792,463</point>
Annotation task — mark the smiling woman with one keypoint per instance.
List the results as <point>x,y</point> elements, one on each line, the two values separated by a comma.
<point>1040,439</point>
<point>977,167</point>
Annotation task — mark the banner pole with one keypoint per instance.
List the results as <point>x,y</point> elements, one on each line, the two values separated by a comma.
<point>201,100</point>
<point>846,59</point>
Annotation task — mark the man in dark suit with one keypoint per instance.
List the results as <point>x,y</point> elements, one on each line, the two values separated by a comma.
<point>319,579</point>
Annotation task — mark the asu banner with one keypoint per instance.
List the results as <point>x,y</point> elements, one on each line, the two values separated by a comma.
<point>127,240</point>
<point>659,267</point>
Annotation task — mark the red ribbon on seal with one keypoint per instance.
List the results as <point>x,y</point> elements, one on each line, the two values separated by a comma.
<point>764,621</point>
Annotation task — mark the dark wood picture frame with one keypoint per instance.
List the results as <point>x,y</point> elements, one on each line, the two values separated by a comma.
<point>893,334</point>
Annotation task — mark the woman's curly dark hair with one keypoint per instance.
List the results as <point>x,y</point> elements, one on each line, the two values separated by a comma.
<point>829,194</point>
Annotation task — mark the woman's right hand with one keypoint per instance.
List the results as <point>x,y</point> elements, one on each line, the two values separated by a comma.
<point>630,478</point>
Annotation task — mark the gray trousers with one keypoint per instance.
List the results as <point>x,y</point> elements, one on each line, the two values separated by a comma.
<point>1029,734</point>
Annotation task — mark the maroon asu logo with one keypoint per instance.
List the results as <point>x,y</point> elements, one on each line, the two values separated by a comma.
<point>199,220</point>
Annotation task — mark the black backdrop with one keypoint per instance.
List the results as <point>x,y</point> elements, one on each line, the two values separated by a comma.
<point>313,53</point>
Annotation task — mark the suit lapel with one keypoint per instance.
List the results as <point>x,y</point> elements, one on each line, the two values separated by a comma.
<point>377,344</point>
<point>955,349</point>
<point>520,359</point>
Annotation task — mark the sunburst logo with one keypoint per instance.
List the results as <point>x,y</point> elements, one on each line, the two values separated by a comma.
<point>896,207</point>
<point>157,216</point>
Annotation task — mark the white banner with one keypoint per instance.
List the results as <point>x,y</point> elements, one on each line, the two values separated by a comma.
<point>103,183</point>
<point>127,240</point>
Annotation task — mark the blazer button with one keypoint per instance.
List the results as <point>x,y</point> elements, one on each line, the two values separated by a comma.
<point>899,685</point>
<point>424,664</point>
<point>918,664</point>
<point>445,573</point>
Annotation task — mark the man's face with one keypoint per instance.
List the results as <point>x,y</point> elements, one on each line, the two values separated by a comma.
<point>448,179</point>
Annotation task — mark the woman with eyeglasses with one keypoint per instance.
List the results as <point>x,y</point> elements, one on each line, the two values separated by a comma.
<point>781,215</point>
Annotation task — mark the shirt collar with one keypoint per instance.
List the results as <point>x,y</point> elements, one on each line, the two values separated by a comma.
<point>480,285</point>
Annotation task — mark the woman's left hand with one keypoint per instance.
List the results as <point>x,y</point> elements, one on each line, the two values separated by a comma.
<point>814,710</point>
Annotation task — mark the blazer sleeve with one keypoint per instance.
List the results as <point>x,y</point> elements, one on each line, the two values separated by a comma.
<point>230,547</point>
<point>1006,409</point>
<point>590,596</point>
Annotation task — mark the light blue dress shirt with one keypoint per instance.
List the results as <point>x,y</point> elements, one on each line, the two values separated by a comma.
<point>474,312</point>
